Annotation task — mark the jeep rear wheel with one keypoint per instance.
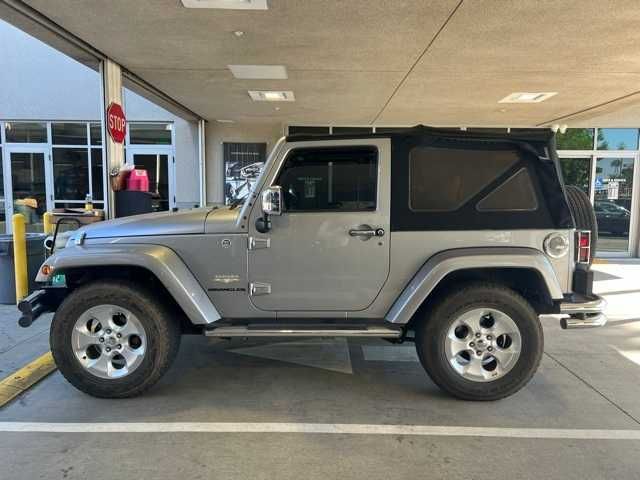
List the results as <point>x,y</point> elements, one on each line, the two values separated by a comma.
<point>113,340</point>
<point>483,342</point>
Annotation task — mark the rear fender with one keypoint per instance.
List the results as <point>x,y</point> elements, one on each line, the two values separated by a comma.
<point>444,263</point>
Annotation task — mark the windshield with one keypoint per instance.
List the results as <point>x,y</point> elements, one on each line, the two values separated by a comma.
<point>246,192</point>
<point>240,181</point>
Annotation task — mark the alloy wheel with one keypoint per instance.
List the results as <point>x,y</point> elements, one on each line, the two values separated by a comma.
<point>109,341</point>
<point>483,344</point>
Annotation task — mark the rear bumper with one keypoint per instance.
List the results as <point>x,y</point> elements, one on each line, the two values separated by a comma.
<point>583,311</point>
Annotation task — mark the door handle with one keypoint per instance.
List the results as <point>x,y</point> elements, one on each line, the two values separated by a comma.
<point>366,231</point>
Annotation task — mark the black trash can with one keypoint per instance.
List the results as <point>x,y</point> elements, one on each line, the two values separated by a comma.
<point>35,258</point>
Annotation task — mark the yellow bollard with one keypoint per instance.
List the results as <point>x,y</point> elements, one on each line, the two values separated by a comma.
<point>20,256</point>
<point>47,220</point>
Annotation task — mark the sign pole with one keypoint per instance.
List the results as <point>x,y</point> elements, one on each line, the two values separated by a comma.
<point>112,150</point>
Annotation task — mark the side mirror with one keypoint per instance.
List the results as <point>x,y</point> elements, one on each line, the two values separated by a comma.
<point>271,205</point>
<point>272,201</point>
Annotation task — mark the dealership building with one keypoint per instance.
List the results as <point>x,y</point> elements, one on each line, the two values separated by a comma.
<point>52,88</point>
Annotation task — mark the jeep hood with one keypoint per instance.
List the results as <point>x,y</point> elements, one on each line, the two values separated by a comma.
<point>181,222</point>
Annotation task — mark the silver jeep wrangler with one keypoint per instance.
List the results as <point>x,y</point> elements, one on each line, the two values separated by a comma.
<point>454,240</point>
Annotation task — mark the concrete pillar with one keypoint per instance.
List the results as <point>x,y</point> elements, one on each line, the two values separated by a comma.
<point>113,153</point>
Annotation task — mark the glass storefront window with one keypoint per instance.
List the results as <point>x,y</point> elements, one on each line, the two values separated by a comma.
<point>96,134</point>
<point>96,174</point>
<point>617,139</point>
<point>575,139</point>
<point>157,167</point>
<point>1,179</point>
<point>577,172</point>
<point>70,173</point>
<point>3,214</point>
<point>25,132</point>
<point>150,133</point>
<point>29,187</point>
<point>77,205</point>
<point>613,188</point>
<point>69,133</point>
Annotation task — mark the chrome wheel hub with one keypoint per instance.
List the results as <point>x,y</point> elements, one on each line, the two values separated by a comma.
<point>483,344</point>
<point>109,341</point>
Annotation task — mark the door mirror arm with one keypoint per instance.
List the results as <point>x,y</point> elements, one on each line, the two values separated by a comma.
<point>263,223</point>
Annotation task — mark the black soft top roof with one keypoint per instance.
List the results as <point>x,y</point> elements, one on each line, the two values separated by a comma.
<point>533,135</point>
<point>537,155</point>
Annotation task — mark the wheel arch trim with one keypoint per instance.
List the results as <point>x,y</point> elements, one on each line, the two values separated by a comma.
<point>436,268</point>
<point>161,261</point>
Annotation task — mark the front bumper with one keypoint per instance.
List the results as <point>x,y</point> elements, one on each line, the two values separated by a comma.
<point>39,302</point>
<point>583,311</point>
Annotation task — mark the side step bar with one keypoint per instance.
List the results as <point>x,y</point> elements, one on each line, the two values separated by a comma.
<point>304,331</point>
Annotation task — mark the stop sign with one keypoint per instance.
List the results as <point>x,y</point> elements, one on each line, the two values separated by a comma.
<point>116,122</point>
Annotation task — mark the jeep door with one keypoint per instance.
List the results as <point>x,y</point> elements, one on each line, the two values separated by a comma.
<point>329,250</point>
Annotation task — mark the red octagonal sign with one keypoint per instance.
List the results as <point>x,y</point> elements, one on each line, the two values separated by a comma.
<point>116,123</point>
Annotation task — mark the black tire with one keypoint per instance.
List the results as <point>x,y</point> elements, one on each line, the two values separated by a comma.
<point>432,330</point>
<point>162,337</point>
<point>583,213</point>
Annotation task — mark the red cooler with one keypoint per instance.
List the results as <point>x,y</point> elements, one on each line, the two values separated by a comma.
<point>138,180</point>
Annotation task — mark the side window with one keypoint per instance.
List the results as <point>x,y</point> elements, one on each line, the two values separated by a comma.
<point>444,179</point>
<point>515,194</point>
<point>330,179</point>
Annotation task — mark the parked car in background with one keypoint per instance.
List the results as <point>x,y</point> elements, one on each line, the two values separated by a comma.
<point>612,218</point>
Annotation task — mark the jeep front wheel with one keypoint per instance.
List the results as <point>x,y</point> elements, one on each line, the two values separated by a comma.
<point>483,342</point>
<point>112,340</point>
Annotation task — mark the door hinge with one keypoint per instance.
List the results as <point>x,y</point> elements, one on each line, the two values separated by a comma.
<point>258,288</point>
<point>258,243</point>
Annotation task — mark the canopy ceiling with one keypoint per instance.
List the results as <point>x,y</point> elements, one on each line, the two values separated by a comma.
<point>392,62</point>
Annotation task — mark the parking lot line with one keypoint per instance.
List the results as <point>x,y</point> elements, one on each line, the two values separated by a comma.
<point>26,377</point>
<point>320,428</point>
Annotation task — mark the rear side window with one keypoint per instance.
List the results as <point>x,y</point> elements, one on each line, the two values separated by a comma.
<point>516,193</point>
<point>445,179</point>
<point>330,179</point>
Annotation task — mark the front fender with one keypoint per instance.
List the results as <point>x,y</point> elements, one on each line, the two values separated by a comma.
<point>444,263</point>
<point>163,262</point>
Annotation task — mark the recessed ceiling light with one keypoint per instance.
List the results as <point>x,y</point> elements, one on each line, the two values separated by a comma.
<point>227,4</point>
<point>272,96</point>
<point>527,97</point>
<point>225,120</point>
<point>259,72</point>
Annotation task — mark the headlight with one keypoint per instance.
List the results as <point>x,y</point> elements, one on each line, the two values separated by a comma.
<point>556,245</point>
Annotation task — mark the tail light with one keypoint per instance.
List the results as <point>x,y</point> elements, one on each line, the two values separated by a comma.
<point>583,246</point>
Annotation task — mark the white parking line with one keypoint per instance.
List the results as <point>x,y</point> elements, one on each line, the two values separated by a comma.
<point>320,428</point>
